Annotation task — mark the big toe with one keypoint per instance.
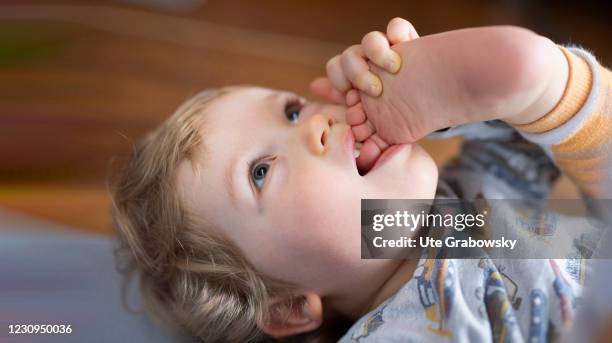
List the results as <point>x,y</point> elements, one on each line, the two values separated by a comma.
<point>368,155</point>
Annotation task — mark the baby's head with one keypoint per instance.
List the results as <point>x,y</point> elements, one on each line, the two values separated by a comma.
<point>242,214</point>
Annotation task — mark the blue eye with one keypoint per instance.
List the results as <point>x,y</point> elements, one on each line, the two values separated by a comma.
<point>258,173</point>
<point>292,110</point>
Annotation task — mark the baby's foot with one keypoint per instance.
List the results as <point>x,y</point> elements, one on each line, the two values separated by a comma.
<point>351,69</point>
<point>450,79</point>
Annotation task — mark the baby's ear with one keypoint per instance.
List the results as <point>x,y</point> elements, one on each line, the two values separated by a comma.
<point>287,319</point>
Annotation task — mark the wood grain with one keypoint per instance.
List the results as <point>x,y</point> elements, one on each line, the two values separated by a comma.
<point>81,82</point>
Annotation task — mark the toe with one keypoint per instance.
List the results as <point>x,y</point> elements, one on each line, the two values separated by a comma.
<point>368,155</point>
<point>352,97</point>
<point>381,143</point>
<point>362,131</point>
<point>355,115</point>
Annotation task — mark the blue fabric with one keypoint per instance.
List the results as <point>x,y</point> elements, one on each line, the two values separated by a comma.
<point>54,275</point>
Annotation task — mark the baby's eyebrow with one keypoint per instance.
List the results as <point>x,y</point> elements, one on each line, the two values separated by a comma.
<point>278,97</point>
<point>229,180</point>
<point>274,96</point>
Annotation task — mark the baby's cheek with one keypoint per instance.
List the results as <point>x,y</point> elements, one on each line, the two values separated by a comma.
<point>330,215</point>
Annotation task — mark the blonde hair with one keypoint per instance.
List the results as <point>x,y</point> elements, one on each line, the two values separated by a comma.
<point>189,276</point>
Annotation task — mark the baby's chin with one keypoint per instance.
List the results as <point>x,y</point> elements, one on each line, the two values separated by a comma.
<point>408,173</point>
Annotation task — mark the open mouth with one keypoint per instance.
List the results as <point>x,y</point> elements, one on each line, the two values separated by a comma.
<point>383,156</point>
<point>354,148</point>
<point>387,155</point>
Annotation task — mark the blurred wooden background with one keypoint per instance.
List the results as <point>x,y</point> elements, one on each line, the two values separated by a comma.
<point>81,81</point>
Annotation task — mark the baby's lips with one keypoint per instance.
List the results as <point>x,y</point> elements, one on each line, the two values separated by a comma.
<point>387,154</point>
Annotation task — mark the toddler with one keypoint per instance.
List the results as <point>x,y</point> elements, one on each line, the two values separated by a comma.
<point>241,212</point>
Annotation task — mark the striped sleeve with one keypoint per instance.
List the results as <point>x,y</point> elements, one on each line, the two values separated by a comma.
<point>577,133</point>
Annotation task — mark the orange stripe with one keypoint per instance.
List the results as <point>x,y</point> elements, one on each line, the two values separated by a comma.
<point>575,94</point>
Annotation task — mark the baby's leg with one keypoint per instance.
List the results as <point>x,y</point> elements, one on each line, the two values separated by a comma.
<point>455,78</point>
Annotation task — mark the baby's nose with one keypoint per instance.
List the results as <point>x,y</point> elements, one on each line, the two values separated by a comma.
<point>315,132</point>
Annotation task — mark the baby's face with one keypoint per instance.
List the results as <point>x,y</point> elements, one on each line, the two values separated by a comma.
<point>278,177</point>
